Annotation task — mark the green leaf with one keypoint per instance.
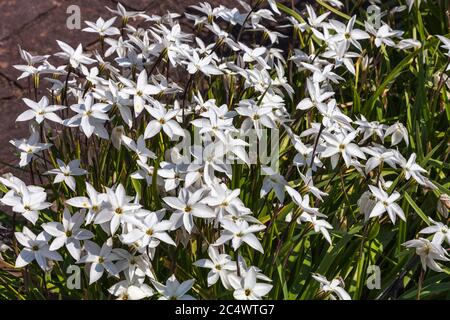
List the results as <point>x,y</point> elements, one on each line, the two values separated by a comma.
<point>416,208</point>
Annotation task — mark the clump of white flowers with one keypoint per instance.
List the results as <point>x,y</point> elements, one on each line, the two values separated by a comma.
<point>142,153</point>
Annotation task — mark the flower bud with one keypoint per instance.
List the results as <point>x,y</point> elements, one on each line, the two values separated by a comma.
<point>443,204</point>
<point>116,137</point>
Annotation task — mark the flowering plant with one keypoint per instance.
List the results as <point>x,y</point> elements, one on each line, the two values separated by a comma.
<point>274,152</point>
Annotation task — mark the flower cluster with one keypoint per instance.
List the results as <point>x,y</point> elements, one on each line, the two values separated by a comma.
<point>132,198</point>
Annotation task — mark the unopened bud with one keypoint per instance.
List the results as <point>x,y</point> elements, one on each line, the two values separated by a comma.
<point>116,137</point>
<point>444,204</point>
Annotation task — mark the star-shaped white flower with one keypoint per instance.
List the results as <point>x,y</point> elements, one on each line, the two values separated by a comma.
<point>68,233</point>
<point>67,172</point>
<point>40,111</point>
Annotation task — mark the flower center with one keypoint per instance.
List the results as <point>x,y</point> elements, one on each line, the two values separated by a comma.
<point>68,233</point>
<point>149,232</point>
<point>188,209</point>
<point>119,211</point>
<point>247,292</point>
<point>101,259</point>
<point>35,248</point>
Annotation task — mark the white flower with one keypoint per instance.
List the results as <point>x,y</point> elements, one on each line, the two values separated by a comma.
<point>220,264</point>
<point>257,117</point>
<point>320,75</point>
<point>187,206</point>
<point>171,174</point>
<point>398,132</point>
<point>428,252</point>
<point>309,184</point>
<point>347,34</point>
<point>412,2</point>
<point>40,111</point>
<point>75,57</point>
<point>101,259</point>
<point>28,202</point>
<point>335,287</point>
<point>173,290</point>
<point>366,203</point>
<point>412,169</point>
<point>315,21</point>
<point>29,147</point>
<point>239,232</point>
<point>29,69</point>
<point>35,248</point>
<point>369,128</point>
<point>224,200</point>
<point>319,225</point>
<point>140,91</point>
<point>163,120</point>
<point>132,288</point>
<point>383,35</point>
<point>408,44</point>
<point>304,155</point>
<point>387,203</point>
<point>339,52</point>
<point>273,6</point>
<point>379,156</point>
<point>126,15</point>
<point>145,172</point>
<point>3,247</point>
<point>68,233</point>
<point>273,181</point>
<point>94,204</point>
<point>341,144</point>
<point>446,44</point>
<point>90,116</point>
<point>139,148</point>
<point>205,65</point>
<point>246,288</point>
<point>116,97</point>
<point>303,203</point>
<point>440,232</point>
<point>102,27</point>
<point>67,172</point>
<point>118,206</point>
<point>255,54</point>
<point>148,231</point>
